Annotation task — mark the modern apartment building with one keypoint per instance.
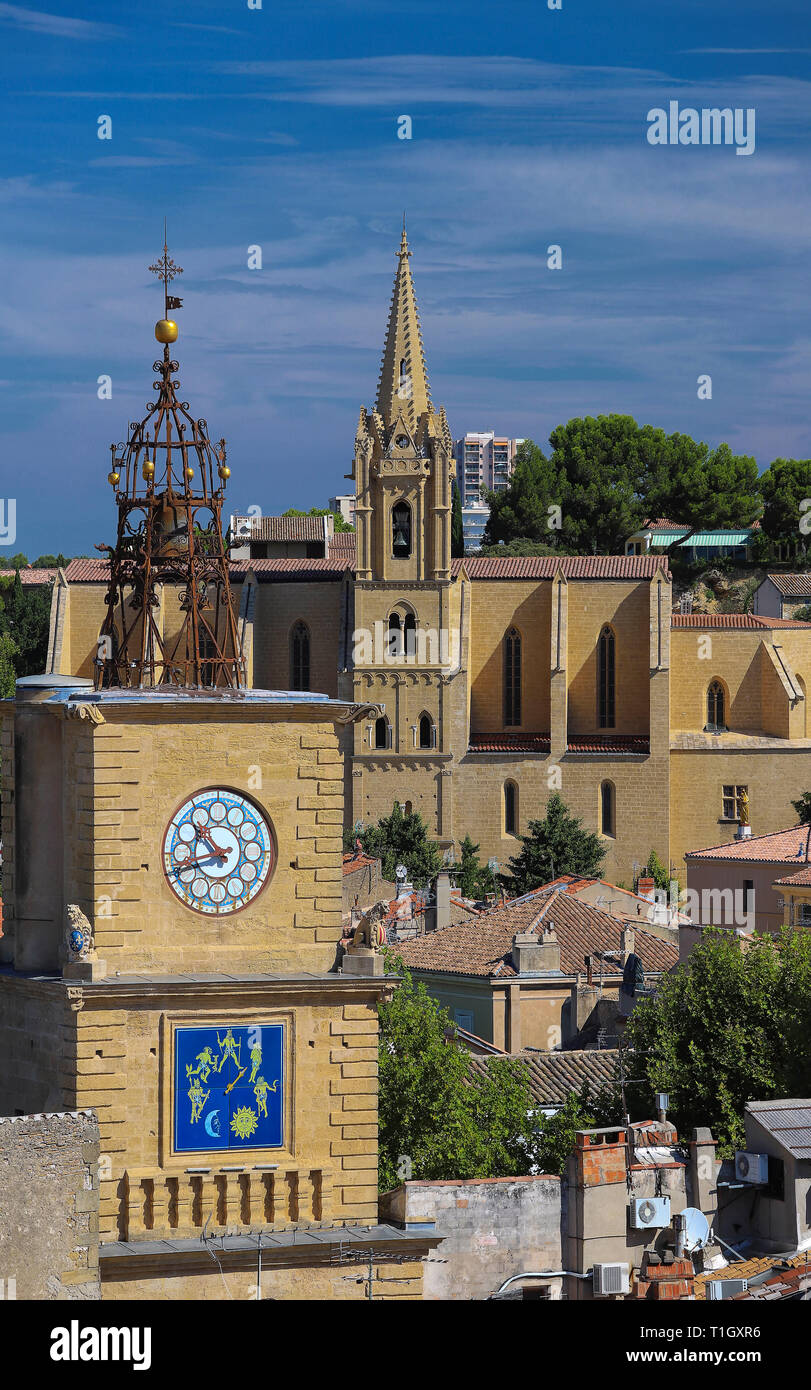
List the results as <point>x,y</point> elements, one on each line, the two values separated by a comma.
<point>482,461</point>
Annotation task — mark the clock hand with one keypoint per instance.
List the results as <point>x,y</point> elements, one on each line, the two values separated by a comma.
<point>235,1080</point>
<point>194,863</point>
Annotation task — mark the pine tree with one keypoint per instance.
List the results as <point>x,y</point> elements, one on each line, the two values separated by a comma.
<point>473,879</point>
<point>457,528</point>
<point>554,846</point>
<point>401,838</point>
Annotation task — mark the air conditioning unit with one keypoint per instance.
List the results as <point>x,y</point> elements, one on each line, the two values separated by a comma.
<point>650,1213</point>
<point>725,1288</point>
<point>610,1278</point>
<point>752,1168</point>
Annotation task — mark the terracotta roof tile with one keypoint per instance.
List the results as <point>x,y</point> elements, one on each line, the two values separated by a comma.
<point>782,847</point>
<point>287,528</point>
<point>88,571</point>
<point>609,743</point>
<point>483,947</point>
<point>553,1076</point>
<point>572,566</point>
<point>509,743</point>
<point>267,571</point>
<point>792,585</point>
<point>752,622</point>
<point>30,577</point>
<point>746,1269</point>
<point>343,542</point>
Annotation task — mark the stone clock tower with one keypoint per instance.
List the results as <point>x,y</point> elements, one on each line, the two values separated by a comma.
<point>172,916</point>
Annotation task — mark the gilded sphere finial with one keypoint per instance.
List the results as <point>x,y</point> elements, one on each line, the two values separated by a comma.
<point>166,331</point>
<point>113,478</point>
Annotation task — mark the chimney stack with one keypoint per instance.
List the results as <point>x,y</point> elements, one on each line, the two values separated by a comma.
<point>443,899</point>
<point>536,954</point>
<point>627,942</point>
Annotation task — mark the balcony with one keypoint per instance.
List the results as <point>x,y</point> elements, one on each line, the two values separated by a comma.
<point>162,1205</point>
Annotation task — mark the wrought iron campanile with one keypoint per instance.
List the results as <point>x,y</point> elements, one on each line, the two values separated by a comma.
<point>170,616</point>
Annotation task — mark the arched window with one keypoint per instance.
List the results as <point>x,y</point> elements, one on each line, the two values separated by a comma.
<point>300,657</point>
<point>410,635</point>
<point>510,808</point>
<point>382,739</point>
<point>608,808</point>
<point>426,731</point>
<point>408,809</point>
<point>716,707</point>
<point>401,530</point>
<point>512,677</point>
<point>605,679</point>
<point>395,647</point>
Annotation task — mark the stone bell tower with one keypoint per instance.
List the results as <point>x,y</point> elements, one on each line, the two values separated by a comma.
<point>406,608</point>
<point>403,465</point>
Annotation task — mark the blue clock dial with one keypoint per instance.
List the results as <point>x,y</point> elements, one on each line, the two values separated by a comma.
<point>218,851</point>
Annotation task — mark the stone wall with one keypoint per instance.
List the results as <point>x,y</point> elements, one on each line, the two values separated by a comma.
<point>491,1229</point>
<point>49,1205</point>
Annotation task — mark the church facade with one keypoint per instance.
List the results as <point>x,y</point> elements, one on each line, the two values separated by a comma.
<point>503,680</point>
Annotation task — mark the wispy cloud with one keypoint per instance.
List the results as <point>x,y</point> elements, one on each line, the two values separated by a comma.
<point>59,26</point>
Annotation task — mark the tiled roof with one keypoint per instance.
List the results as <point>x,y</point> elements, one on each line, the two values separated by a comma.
<point>483,947</point>
<point>30,577</point>
<point>352,862</point>
<point>792,585</point>
<point>88,571</point>
<point>608,743</point>
<point>799,879</point>
<point>781,847</point>
<point>509,743</point>
<point>745,1269</point>
<point>287,528</point>
<point>343,542</point>
<point>267,571</point>
<point>572,566</point>
<point>753,622</point>
<point>662,523</point>
<point>784,1283</point>
<point>554,1075</point>
<point>788,1121</point>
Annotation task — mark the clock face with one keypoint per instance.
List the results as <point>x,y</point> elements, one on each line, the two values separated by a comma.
<point>218,851</point>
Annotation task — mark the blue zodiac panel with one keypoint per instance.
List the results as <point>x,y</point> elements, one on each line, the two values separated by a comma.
<point>229,1087</point>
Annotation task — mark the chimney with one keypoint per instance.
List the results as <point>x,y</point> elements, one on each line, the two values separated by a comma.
<point>443,899</point>
<point>536,954</point>
<point>645,888</point>
<point>627,941</point>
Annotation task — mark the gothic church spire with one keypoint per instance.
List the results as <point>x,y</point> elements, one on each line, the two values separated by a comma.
<point>403,388</point>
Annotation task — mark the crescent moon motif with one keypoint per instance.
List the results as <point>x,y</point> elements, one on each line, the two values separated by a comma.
<point>212,1124</point>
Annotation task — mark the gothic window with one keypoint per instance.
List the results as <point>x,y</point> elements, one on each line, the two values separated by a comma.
<point>382,731</point>
<point>410,635</point>
<point>401,530</point>
<point>716,708</point>
<point>510,808</point>
<point>426,731</point>
<point>395,635</point>
<point>300,657</point>
<point>607,808</point>
<point>605,679</point>
<point>512,677</point>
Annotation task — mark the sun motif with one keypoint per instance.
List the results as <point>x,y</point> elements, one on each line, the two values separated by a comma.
<point>243,1122</point>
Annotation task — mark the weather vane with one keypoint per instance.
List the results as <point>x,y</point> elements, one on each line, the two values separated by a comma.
<point>166,270</point>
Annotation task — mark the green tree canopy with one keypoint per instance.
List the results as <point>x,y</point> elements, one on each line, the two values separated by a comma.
<point>50,562</point>
<point>556,845</point>
<point>803,808</point>
<point>457,527</point>
<point>473,879</point>
<point>25,619</point>
<point>607,474</point>
<point>401,838</point>
<point>522,508</point>
<point>441,1120</point>
<point>728,1026</point>
<point>432,1113</point>
<point>340,524</point>
<point>784,486</point>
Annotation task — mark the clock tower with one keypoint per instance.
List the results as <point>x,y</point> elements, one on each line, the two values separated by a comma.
<point>172,916</point>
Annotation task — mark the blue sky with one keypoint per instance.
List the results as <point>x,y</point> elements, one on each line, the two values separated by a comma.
<point>278,127</point>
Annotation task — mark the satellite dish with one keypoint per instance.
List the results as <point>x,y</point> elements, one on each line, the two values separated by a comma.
<point>401,871</point>
<point>696,1229</point>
